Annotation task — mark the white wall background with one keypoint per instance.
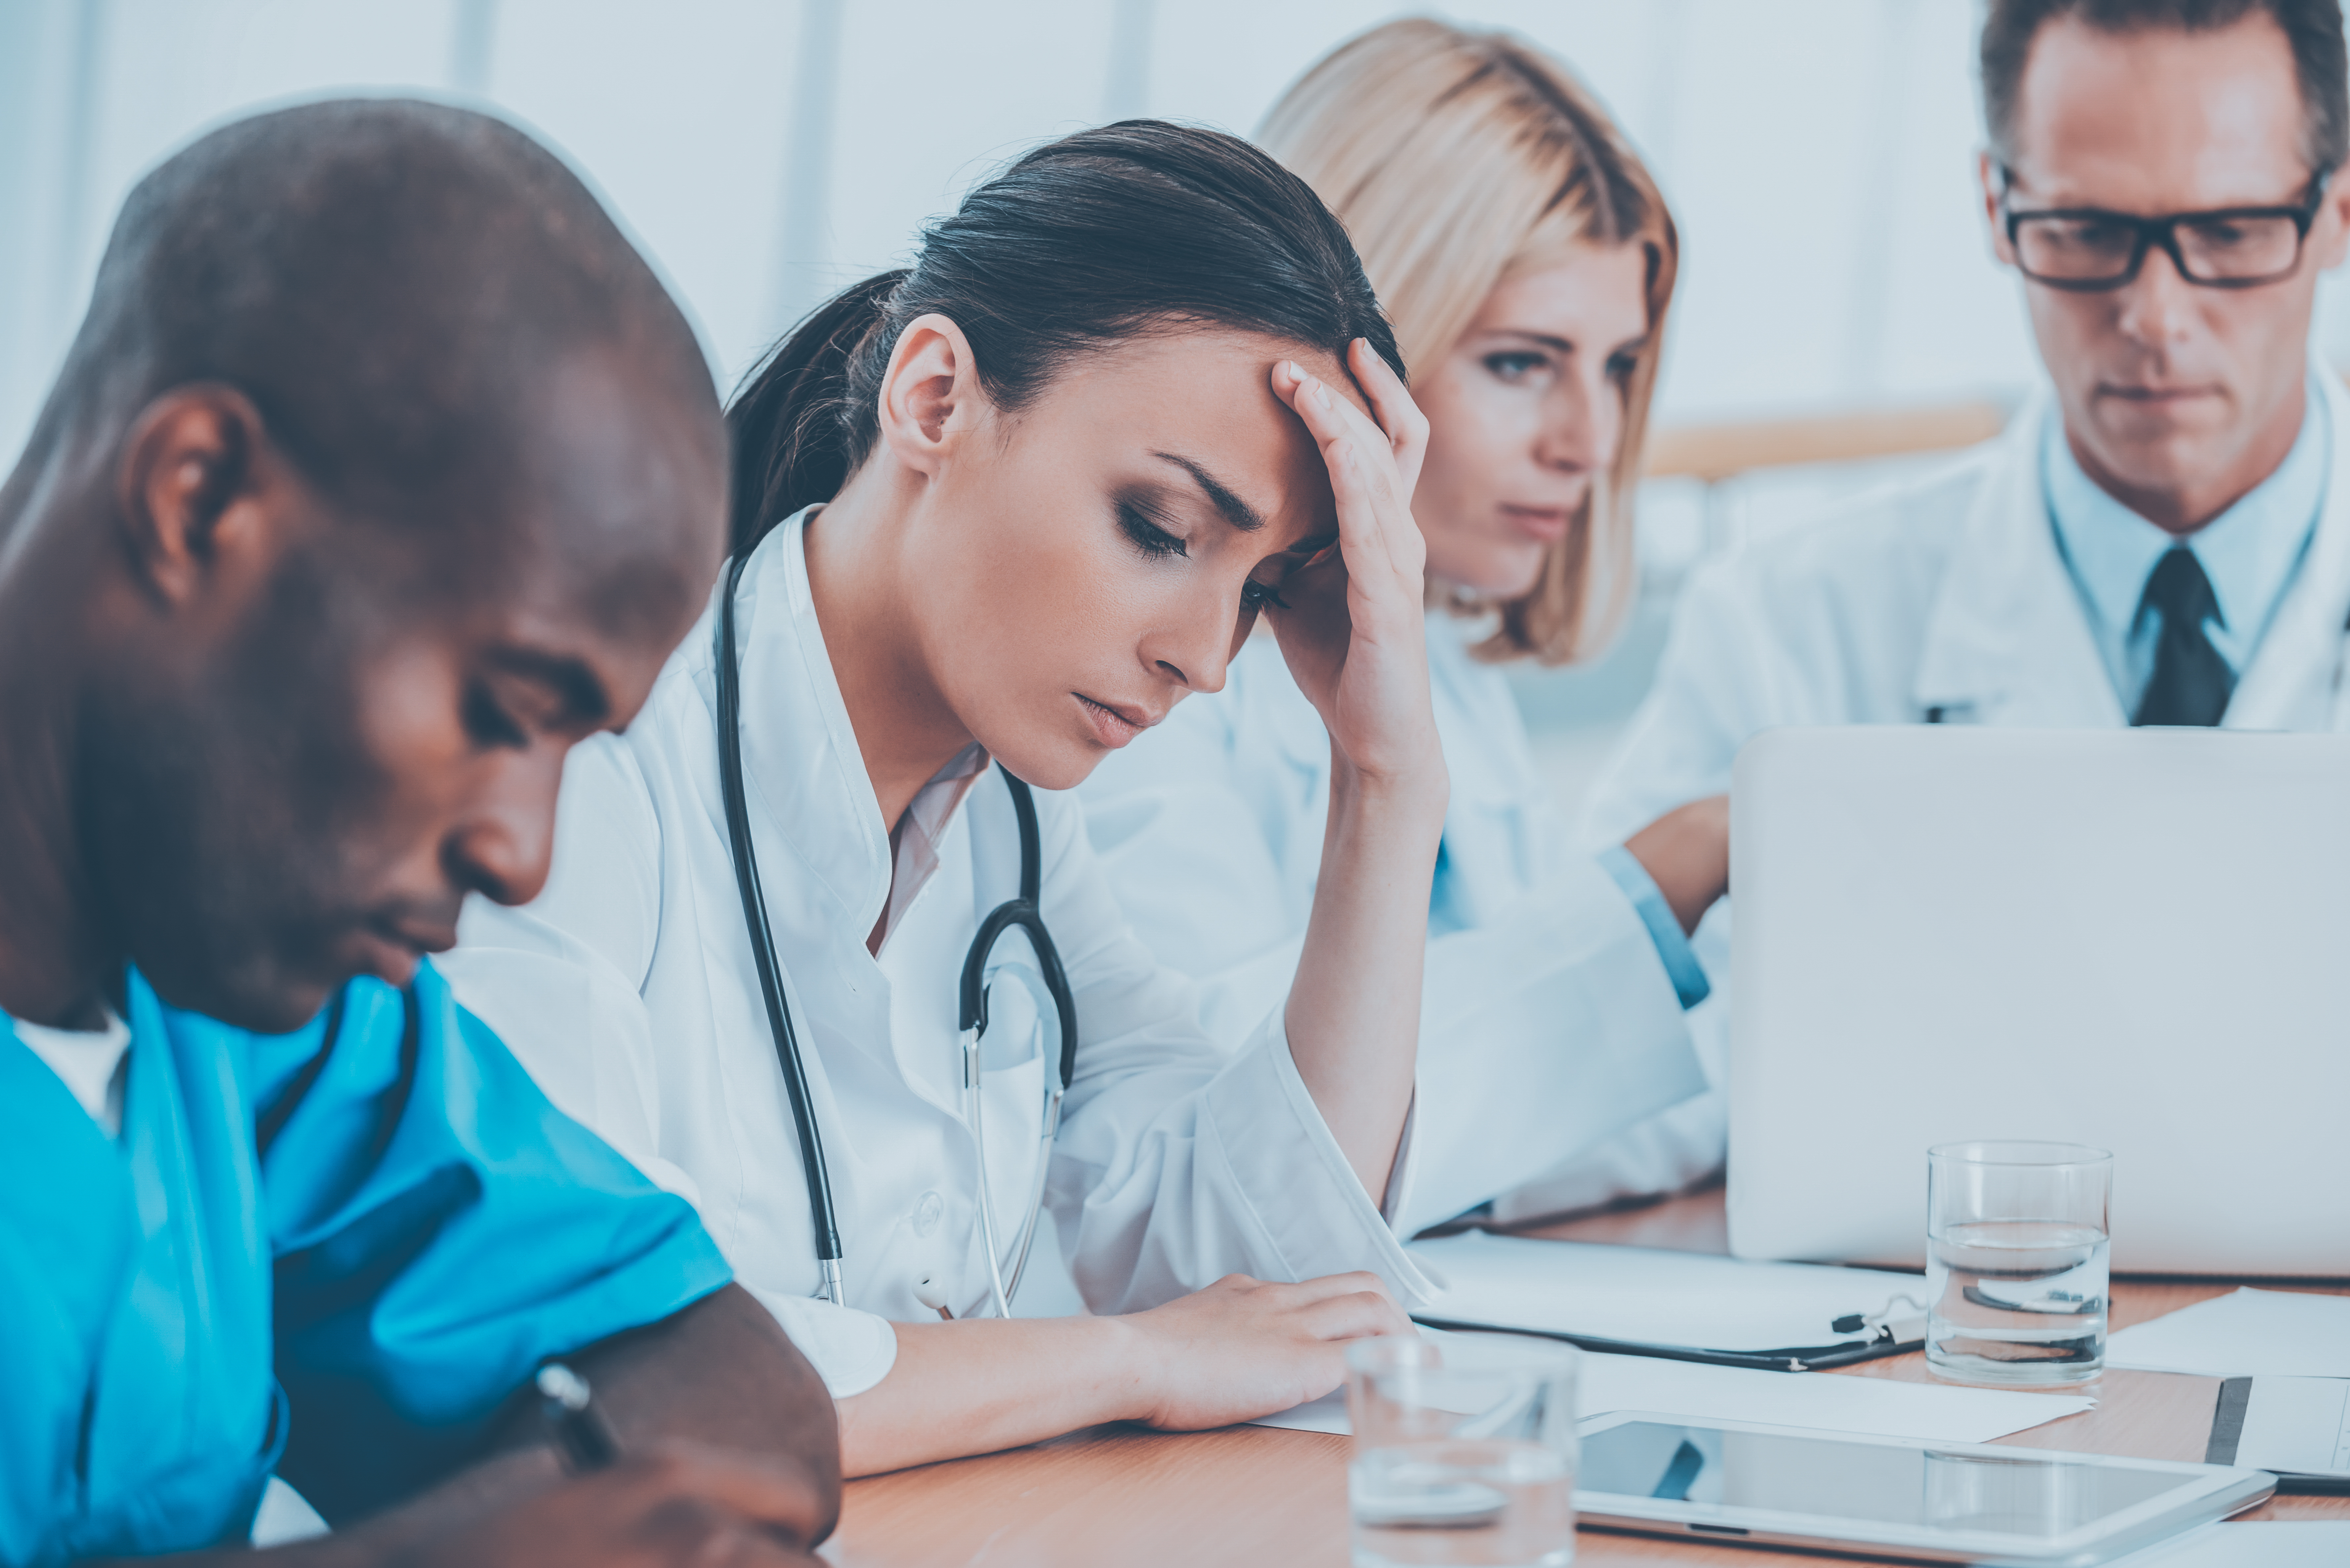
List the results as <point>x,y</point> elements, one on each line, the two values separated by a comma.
<point>1817,151</point>
<point>1818,154</point>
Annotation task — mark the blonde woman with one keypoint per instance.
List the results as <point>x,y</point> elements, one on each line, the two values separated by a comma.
<point>1527,261</point>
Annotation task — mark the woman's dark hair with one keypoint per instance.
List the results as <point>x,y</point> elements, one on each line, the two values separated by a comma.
<point>1103,236</point>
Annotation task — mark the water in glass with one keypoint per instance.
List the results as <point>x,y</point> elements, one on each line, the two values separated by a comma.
<point>2017,1301</point>
<point>1462,1501</point>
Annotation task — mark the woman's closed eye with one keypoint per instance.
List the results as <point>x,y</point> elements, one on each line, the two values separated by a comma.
<point>1148,536</point>
<point>1256,595</point>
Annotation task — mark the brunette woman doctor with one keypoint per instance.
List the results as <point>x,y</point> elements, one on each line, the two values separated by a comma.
<point>997,514</point>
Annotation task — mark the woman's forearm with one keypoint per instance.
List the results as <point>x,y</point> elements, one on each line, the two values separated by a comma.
<point>975,1387</point>
<point>1354,1009</point>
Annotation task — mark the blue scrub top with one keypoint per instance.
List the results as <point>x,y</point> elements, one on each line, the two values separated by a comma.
<point>331,1253</point>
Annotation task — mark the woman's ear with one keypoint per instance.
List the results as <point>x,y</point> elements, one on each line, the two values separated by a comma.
<point>931,394</point>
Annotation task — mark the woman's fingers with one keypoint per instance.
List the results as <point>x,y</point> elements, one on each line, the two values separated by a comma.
<point>1363,480</point>
<point>1326,1286</point>
<point>1392,405</point>
<point>1357,652</point>
<point>1316,408</point>
<point>1338,1306</point>
<point>1358,1314</point>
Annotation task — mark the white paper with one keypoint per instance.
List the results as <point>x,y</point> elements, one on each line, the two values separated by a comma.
<point>1643,1295</point>
<point>1873,1407</point>
<point>2256,1543</point>
<point>2297,1424</point>
<point>2249,1333</point>
<point>285,1517</point>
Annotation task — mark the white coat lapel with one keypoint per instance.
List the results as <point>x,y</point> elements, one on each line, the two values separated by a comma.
<point>816,826</point>
<point>2295,678</point>
<point>2005,640</point>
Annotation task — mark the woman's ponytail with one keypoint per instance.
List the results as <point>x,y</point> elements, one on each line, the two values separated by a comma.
<point>797,432</point>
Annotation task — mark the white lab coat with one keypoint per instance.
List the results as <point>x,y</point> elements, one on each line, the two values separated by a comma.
<point>627,989</point>
<point>1944,599</point>
<point>1547,1021</point>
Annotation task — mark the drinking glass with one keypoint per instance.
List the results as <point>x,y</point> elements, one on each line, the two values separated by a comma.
<point>1464,1450</point>
<point>2017,1262</point>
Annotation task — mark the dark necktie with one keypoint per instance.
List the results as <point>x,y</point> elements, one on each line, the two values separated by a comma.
<point>2191,683</point>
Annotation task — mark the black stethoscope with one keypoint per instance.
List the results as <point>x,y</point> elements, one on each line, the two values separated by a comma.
<point>1019,914</point>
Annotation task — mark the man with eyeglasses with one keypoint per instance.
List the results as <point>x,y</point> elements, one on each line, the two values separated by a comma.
<point>2162,537</point>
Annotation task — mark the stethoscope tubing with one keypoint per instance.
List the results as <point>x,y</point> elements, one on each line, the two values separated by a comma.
<point>822,1217</point>
<point>1022,911</point>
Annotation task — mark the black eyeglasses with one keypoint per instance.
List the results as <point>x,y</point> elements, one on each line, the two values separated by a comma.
<point>2087,248</point>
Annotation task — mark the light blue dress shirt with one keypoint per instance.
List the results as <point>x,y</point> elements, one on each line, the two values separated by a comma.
<point>2251,553</point>
<point>1681,967</point>
<point>1639,890</point>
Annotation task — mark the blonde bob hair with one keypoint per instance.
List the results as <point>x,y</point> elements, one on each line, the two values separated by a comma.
<point>1455,159</point>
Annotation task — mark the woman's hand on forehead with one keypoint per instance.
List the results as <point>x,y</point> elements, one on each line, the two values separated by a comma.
<point>1352,632</point>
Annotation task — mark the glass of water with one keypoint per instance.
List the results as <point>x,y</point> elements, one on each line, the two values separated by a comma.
<point>1464,1450</point>
<point>2017,1262</point>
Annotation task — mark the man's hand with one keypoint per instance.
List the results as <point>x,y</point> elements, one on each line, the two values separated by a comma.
<point>730,1454</point>
<point>720,1375</point>
<point>1687,853</point>
<point>679,1503</point>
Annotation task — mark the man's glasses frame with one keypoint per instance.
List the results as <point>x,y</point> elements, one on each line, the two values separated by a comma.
<point>2148,233</point>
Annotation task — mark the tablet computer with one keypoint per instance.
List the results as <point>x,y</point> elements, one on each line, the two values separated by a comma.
<point>1735,1482</point>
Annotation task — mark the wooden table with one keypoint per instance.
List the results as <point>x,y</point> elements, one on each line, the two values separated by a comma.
<point>1252,1495</point>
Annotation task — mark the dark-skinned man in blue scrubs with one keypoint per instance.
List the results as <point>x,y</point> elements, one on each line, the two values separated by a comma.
<point>382,470</point>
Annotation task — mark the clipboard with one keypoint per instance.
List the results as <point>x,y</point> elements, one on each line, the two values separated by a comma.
<point>1793,1358</point>
<point>1723,1312</point>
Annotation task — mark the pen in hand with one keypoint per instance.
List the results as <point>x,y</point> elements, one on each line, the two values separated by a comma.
<point>569,1407</point>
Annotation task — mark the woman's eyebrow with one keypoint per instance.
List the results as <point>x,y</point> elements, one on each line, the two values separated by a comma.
<point>1551,341</point>
<point>1558,345</point>
<point>1237,513</point>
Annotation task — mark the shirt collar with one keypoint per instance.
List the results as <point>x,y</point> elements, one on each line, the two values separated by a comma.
<point>2248,551</point>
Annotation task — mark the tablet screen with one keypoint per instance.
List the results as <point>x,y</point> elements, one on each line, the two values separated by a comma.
<point>2032,1495</point>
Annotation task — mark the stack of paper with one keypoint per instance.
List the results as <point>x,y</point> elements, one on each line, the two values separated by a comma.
<point>2250,1333</point>
<point>1822,1400</point>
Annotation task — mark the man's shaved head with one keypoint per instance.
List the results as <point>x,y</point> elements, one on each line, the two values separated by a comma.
<point>386,279</point>
<point>382,469</point>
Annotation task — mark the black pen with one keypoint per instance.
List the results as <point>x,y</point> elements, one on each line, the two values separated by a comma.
<point>568,1405</point>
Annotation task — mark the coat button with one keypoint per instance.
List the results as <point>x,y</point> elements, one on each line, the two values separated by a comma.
<point>927,1214</point>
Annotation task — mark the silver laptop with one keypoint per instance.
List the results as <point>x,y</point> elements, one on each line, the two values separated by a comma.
<point>2138,940</point>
